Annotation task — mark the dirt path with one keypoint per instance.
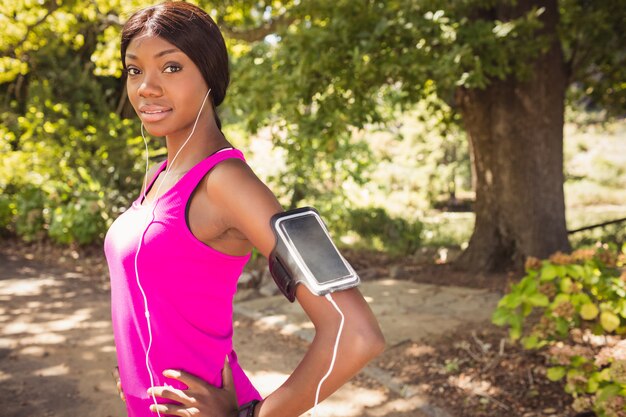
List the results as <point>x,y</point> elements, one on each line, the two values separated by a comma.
<point>56,344</point>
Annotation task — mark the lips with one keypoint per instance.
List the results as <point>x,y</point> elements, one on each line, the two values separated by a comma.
<point>152,113</point>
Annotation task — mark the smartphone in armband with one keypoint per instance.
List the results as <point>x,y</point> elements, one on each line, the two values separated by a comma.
<point>305,254</point>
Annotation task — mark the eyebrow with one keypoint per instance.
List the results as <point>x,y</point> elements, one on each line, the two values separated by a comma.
<point>157,55</point>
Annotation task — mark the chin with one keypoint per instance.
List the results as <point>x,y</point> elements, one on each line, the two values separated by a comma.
<point>155,130</point>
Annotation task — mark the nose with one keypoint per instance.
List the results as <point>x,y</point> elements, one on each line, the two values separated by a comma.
<point>149,87</point>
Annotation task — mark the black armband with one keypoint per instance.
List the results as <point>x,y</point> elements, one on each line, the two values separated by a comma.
<point>305,254</point>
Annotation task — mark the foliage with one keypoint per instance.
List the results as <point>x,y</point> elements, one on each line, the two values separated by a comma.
<point>336,69</point>
<point>70,169</point>
<point>574,306</point>
<point>379,230</point>
<point>594,50</point>
<point>318,73</point>
<point>423,152</point>
<point>69,162</point>
<point>335,64</point>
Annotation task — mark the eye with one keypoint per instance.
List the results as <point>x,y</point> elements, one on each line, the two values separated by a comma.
<point>131,71</point>
<point>172,68</point>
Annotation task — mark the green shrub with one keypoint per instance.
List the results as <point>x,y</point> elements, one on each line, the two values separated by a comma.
<point>30,206</point>
<point>69,169</point>
<point>376,227</point>
<point>81,219</point>
<point>7,213</point>
<point>574,307</point>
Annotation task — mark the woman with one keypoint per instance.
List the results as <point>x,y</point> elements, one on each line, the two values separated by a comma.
<point>175,255</point>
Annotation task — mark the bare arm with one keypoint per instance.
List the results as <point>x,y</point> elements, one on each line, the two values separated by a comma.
<point>249,210</point>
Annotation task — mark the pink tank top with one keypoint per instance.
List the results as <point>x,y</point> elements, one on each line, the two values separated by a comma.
<point>189,287</point>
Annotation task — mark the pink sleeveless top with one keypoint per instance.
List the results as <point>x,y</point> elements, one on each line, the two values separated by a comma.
<point>189,288</point>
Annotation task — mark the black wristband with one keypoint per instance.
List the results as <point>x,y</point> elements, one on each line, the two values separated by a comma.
<point>247,410</point>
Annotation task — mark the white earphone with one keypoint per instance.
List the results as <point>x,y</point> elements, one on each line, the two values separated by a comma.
<point>150,217</point>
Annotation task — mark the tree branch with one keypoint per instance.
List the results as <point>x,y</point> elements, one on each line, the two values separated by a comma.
<point>258,33</point>
<point>52,7</point>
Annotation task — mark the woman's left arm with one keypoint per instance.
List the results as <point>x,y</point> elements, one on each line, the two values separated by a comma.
<point>361,340</point>
<point>249,211</point>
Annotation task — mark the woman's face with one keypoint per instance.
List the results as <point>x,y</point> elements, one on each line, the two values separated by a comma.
<point>165,87</point>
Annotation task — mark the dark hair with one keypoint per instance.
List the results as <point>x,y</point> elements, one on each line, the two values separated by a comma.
<point>191,30</point>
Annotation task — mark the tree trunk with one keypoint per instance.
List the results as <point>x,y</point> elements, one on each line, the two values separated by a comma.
<point>515,130</point>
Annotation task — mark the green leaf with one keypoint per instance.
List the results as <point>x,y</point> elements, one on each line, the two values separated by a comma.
<point>562,326</point>
<point>589,311</point>
<point>515,332</point>
<point>580,299</point>
<point>500,317</point>
<point>556,373</point>
<point>566,285</point>
<point>605,374</point>
<point>561,298</point>
<point>528,286</point>
<point>622,308</point>
<point>577,361</point>
<point>502,29</point>
<point>511,301</point>
<point>530,342</point>
<point>607,392</point>
<point>593,383</point>
<point>575,271</point>
<point>549,272</point>
<point>609,321</point>
<point>538,300</point>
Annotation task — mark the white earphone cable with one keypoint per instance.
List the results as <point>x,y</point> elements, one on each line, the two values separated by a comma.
<point>334,357</point>
<point>145,229</point>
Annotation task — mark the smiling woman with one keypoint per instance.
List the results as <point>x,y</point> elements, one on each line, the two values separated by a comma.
<point>175,256</point>
<point>186,32</point>
<point>151,75</point>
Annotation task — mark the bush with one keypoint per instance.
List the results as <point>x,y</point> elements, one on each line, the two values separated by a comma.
<point>30,205</point>
<point>7,213</point>
<point>70,168</point>
<point>574,307</point>
<point>377,228</point>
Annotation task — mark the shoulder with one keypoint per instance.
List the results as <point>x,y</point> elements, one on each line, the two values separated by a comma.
<point>233,176</point>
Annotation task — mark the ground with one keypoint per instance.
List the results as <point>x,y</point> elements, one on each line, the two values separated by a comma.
<point>443,357</point>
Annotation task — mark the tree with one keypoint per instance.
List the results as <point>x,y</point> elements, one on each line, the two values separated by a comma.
<point>504,67</point>
<point>515,127</point>
<point>317,71</point>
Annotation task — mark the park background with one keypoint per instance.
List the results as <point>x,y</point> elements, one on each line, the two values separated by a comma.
<point>469,134</point>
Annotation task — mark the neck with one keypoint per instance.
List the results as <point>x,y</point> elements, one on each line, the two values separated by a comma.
<point>206,139</point>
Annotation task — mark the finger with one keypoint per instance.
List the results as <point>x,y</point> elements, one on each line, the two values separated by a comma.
<point>227,376</point>
<point>171,394</point>
<point>115,373</point>
<point>120,391</point>
<point>175,410</point>
<point>118,383</point>
<point>186,378</point>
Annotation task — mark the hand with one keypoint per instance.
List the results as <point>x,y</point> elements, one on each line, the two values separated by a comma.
<point>201,399</point>
<point>118,383</point>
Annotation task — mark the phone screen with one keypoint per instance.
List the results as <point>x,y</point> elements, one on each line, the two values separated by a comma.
<point>315,248</point>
